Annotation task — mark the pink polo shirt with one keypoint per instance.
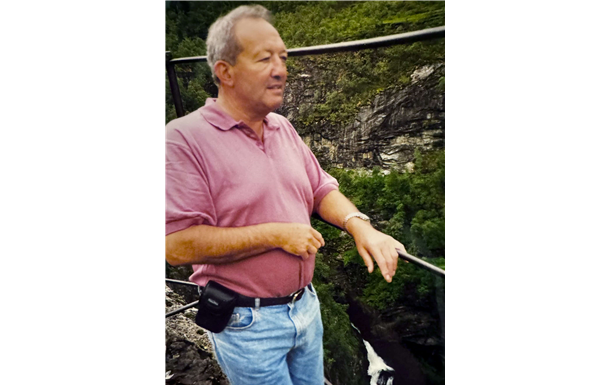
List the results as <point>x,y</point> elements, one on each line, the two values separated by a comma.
<point>219,173</point>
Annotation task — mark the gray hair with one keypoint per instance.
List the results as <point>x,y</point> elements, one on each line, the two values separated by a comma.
<point>222,43</point>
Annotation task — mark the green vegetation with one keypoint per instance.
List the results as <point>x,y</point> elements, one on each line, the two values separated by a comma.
<point>408,206</point>
<point>341,343</point>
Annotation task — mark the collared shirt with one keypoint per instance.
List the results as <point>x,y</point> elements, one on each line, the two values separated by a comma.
<point>219,173</point>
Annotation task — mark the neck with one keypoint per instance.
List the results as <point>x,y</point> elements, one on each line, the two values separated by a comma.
<point>236,111</point>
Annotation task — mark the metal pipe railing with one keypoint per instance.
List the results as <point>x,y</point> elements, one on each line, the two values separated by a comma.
<point>402,255</point>
<point>180,282</point>
<point>376,42</point>
<point>173,84</point>
<point>421,263</point>
<point>183,308</point>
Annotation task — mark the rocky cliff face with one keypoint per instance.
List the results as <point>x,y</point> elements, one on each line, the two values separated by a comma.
<point>188,353</point>
<point>384,133</point>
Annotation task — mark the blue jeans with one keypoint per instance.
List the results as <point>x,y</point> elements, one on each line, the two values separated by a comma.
<point>274,345</point>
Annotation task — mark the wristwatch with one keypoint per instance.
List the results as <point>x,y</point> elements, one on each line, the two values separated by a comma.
<point>355,215</point>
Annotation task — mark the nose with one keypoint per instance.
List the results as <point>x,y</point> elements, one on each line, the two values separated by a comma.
<point>279,71</point>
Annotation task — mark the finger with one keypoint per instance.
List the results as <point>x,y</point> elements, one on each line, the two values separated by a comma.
<point>383,264</point>
<point>316,243</point>
<point>400,246</point>
<point>368,261</point>
<point>312,250</point>
<point>318,236</point>
<point>393,259</point>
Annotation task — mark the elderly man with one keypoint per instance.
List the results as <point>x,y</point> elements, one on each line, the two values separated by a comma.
<point>241,187</point>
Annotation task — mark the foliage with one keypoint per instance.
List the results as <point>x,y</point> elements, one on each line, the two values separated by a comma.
<point>341,344</point>
<point>407,206</point>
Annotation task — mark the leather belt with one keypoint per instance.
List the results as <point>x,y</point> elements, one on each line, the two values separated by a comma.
<point>244,301</point>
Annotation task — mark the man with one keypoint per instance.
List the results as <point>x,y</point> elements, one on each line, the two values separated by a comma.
<point>241,187</point>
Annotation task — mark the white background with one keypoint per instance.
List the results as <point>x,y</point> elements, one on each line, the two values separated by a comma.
<point>82,159</point>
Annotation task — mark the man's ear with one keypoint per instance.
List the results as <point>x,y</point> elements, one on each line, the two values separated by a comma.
<point>224,72</point>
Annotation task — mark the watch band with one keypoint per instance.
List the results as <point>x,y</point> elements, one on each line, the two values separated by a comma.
<point>354,215</point>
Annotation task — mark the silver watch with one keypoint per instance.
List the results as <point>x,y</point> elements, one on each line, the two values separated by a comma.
<point>356,215</point>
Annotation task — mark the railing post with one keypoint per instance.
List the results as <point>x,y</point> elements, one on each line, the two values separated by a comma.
<point>173,84</point>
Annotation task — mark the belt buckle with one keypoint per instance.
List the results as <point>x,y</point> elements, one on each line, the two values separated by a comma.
<point>296,294</point>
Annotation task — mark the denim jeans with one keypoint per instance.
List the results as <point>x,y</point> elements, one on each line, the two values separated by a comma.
<point>273,345</point>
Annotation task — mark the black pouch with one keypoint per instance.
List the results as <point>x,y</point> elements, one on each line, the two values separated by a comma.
<point>216,305</point>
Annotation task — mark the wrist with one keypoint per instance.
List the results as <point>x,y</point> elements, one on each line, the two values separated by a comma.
<point>355,221</point>
<point>270,234</point>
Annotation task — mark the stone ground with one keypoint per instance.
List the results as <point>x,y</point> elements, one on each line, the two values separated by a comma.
<point>189,357</point>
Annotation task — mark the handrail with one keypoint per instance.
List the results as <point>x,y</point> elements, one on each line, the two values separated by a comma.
<point>355,45</point>
<point>183,308</point>
<point>376,42</point>
<point>421,263</point>
<point>401,254</point>
<point>180,282</point>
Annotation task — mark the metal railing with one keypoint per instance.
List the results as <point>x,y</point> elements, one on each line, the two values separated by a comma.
<point>401,254</point>
<point>376,42</point>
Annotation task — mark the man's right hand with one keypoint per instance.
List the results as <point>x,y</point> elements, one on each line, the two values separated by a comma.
<point>298,239</point>
<point>219,245</point>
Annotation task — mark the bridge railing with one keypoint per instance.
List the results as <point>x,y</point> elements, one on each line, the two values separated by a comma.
<point>356,45</point>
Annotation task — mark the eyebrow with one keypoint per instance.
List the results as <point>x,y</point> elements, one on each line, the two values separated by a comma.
<point>266,52</point>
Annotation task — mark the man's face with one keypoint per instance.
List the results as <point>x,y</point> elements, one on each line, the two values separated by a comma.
<point>260,70</point>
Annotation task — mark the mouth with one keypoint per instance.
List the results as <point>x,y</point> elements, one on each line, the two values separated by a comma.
<point>276,87</point>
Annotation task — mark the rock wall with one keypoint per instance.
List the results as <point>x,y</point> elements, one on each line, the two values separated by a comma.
<point>384,133</point>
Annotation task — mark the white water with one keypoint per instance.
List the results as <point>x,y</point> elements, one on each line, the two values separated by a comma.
<point>376,365</point>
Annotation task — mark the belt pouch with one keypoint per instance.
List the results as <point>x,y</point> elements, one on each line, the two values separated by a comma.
<point>216,305</point>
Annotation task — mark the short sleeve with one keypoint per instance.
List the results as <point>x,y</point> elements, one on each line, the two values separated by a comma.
<point>321,182</point>
<point>188,201</point>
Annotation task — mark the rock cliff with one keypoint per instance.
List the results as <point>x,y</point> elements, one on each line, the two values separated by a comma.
<point>385,133</point>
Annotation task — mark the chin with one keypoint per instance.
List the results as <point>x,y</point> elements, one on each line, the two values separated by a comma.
<point>272,106</point>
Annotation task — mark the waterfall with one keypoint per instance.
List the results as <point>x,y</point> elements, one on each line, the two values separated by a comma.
<point>381,374</point>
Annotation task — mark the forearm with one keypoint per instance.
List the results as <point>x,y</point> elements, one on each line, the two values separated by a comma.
<point>334,207</point>
<point>218,245</point>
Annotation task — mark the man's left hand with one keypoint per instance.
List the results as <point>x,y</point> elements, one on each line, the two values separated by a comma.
<point>373,244</point>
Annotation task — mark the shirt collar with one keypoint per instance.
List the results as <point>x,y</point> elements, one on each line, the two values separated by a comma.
<point>221,120</point>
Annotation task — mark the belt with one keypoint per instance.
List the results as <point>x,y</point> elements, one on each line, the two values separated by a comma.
<point>244,301</point>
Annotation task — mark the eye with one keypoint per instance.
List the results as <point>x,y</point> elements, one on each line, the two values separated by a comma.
<point>284,58</point>
<point>266,58</point>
